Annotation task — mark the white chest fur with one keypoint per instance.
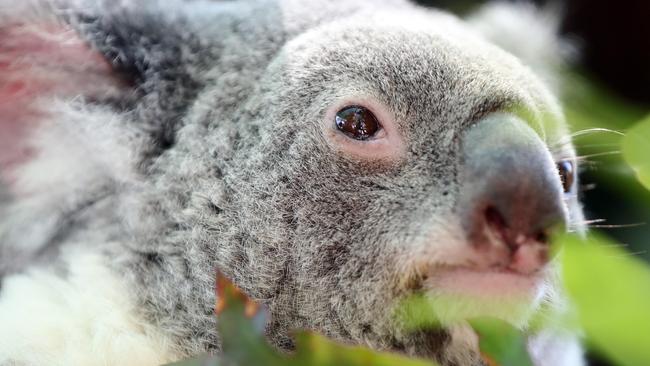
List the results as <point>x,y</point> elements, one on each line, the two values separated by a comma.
<point>85,317</point>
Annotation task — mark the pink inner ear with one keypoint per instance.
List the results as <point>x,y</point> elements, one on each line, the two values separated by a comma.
<point>40,62</point>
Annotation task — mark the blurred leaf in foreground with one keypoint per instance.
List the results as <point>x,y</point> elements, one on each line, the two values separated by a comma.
<point>611,290</point>
<point>313,349</point>
<point>242,320</point>
<point>636,150</point>
<point>501,344</point>
<point>417,312</point>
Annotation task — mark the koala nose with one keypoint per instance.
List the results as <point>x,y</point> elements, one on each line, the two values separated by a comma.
<point>511,193</point>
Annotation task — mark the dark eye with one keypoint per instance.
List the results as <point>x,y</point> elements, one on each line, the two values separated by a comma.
<point>567,174</point>
<point>357,122</point>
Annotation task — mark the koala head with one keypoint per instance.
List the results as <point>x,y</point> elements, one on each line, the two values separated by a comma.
<point>383,153</point>
<point>334,159</point>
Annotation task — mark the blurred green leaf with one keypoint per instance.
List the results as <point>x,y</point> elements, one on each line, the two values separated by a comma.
<point>313,349</point>
<point>417,312</point>
<point>501,343</point>
<point>245,344</point>
<point>611,290</point>
<point>636,150</point>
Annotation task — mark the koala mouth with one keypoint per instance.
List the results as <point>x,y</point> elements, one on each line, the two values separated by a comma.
<point>502,262</point>
<point>493,282</point>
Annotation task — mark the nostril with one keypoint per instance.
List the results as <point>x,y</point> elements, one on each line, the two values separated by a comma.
<point>513,237</point>
<point>541,237</point>
<point>494,218</point>
<point>497,224</point>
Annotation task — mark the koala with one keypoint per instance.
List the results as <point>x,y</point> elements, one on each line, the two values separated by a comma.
<point>331,158</point>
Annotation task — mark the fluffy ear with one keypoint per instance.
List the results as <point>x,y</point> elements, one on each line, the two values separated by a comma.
<point>129,55</point>
<point>86,91</point>
<point>528,32</point>
<point>41,58</point>
<point>157,48</point>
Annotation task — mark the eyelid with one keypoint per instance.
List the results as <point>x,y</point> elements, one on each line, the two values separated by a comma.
<point>387,144</point>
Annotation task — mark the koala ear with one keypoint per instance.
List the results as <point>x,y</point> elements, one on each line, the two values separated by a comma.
<point>42,60</point>
<point>530,33</point>
<point>147,43</point>
<point>137,55</point>
<point>158,49</point>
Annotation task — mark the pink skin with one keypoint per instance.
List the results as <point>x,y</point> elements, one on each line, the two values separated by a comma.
<point>485,283</point>
<point>38,62</point>
<point>516,265</point>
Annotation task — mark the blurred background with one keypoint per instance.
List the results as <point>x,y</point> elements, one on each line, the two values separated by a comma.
<point>607,86</point>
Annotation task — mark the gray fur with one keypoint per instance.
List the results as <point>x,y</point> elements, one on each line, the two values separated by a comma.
<point>226,166</point>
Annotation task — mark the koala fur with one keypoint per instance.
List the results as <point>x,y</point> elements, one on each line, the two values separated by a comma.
<point>196,146</point>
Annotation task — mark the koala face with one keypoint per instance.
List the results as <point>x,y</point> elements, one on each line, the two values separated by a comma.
<point>390,157</point>
<point>331,158</point>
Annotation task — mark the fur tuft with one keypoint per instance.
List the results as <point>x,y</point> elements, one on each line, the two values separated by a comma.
<point>528,32</point>
<point>81,316</point>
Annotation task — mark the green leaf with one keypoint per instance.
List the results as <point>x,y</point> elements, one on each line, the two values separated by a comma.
<point>611,290</point>
<point>319,351</point>
<point>500,343</point>
<point>636,150</point>
<point>417,312</point>
<point>241,321</point>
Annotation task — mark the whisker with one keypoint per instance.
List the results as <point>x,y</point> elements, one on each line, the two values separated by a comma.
<point>639,252</point>
<point>589,168</point>
<point>594,221</point>
<point>589,162</point>
<point>587,132</point>
<point>581,146</point>
<point>617,245</point>
<point>585,160</point>
<point>595,130</point>
<point>587,187</point>
<point>628,254</point>
<point>604,153</point>
<point>617,226</point>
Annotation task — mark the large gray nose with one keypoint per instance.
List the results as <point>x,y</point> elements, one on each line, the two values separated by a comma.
<point>510,185</point>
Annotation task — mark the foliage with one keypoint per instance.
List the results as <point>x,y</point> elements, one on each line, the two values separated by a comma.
<point>245,343</point>
<point>500,343</point>
<point>636,150</point>
<point>611,291</point>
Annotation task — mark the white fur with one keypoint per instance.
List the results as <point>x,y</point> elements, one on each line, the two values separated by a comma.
<point>76,147</point>
<point>556,348</point>
<point>84,317</point>
<point>527,32</point>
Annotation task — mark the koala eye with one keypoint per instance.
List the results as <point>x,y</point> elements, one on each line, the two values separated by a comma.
<point>567,174</point>
<point>357,122</point>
